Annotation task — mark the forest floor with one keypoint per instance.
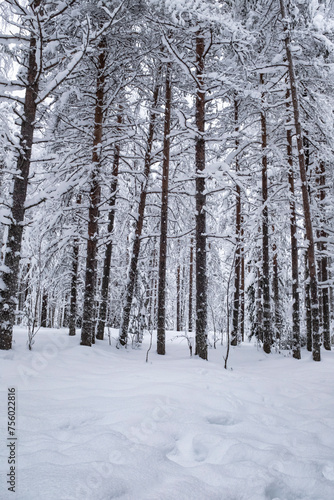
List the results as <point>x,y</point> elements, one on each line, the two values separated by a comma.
<point>100,423</point>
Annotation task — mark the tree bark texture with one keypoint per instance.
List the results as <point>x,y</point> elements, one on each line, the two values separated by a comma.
<point>89,312</point>
<point>152,288</point>
<point>190,301</point>
<point>178,299</point>
<point>267,326</point>
<point>242,289</point>
<point>277,311</point>
<point>10,270</point>
<point>237,262</point>
<point>294,250</point>
<point>74,289</point>
<point>308,311</point>
<point>44,312</point>
<point>201,278</point>
<point>323,268</point>
<point>161,333</point>
<point>258,308</point>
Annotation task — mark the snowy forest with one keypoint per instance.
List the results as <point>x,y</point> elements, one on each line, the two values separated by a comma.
<point>167,188</point>
<point>167,165</point>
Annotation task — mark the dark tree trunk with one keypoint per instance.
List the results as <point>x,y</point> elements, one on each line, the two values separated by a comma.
<point>308,311</point>
<point>108,251</point>
<point>259,311</point>
<point>331,292</point>
<point>325,304</point>
<point>237,261</point>
<point>294,251</point>
<point>152,287</point>
<point>323,268</point>
<point>155,302</point>
<point>277,311</point>
<point>15,229</point>
<point>306,202</point>
<point>242,290</point>
<point>123,334</point>
<point>44,313</point>
<point>190,302</point>
<point>21,297</point>
<point>183,298</point>
<point>178,299</point>
<point>72,320</point>
<point>74,292</point>
<point>164,219</point>
<point>88,320</point>
<point>267,327</point>
<point>201,278</point>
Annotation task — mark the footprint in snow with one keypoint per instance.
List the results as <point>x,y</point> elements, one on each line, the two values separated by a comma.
<point>328,472</point>
<point>202,445</point>
<point>222,420</point>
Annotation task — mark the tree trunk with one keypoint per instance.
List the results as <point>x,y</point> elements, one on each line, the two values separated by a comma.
<point>321,177</point>
<point>10,270</point>
<point>190,302</point>
<point>72,321</point>
<point>306,202</point>
<point>277,311</point>
<point>164,219</point>
<point>201,278</point>
<point>108,251</point>
<point>237,262</point>
<point>123,334</point>
<point>308,311</point>
<point>242,289</point>
<point>178,299</point>
<point>294,250</point>
<point>267,327</point>
<point>152,287</point>
<point>88,320</point>
<point>74,284</point>
<point>259,310</point>
<point>44,313</point>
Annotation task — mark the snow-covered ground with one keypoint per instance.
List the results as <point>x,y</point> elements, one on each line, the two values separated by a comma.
<point>99,423</point>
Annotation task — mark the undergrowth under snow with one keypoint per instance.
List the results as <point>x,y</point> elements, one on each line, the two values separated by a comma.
<point>99,423</point>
